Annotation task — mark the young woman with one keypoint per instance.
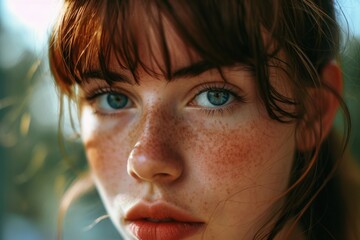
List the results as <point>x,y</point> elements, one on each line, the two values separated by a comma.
<point>209,119</point>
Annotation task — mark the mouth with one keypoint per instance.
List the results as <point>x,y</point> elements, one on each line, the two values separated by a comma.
<point>161,221</point>
<point>164,220</point>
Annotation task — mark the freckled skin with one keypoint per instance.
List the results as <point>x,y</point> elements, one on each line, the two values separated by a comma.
<point>226,170</point>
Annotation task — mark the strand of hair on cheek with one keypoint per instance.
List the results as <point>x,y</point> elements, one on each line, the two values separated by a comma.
<point>79,187</point>
<point>311,164</point>
<point>96,221</point>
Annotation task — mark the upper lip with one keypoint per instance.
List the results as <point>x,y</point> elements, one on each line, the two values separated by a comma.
<point>158,211</point>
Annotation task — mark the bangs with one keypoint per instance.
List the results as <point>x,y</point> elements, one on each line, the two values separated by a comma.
<point>133,35</point>
<point>92,34</point>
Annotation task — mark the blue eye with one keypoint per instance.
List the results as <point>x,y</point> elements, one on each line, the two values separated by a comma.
<point>214,98</point>
<point>112,101</point>
<point>117,101</point>
<point>218,97</point>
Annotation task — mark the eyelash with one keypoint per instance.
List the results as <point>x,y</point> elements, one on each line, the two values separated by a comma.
<point>91,95</point>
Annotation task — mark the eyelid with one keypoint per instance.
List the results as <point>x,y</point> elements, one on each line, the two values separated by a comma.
<point>92,94</point>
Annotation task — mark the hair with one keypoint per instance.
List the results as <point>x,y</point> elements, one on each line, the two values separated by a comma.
<point>225,33</point>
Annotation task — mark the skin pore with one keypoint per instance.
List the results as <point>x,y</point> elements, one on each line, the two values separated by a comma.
<point>225,165</point>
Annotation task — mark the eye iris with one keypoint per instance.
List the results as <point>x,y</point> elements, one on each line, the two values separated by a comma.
<point>117,101</point>
<point>218,98</point>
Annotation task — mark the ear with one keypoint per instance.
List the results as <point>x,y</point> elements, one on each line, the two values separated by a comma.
<point>322,108</point>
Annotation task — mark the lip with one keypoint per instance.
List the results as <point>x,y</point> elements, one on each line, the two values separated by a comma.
<point>161,221</point>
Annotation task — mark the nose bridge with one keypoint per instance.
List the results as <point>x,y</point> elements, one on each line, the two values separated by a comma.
<point>155,128</point>
<point>154,158</point>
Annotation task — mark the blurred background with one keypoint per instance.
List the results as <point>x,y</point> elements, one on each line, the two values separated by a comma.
<point>35,167</point>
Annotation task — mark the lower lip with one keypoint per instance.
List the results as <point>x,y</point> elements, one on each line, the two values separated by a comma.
<point>145,230</point>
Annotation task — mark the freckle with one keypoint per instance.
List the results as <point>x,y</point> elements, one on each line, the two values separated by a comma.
<point>229,150</point>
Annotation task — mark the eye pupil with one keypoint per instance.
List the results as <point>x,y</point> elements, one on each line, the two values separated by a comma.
<point>117,101</point>
<point>218,98</point>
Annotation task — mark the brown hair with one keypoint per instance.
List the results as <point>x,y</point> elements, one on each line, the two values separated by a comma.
<point>224,33</point>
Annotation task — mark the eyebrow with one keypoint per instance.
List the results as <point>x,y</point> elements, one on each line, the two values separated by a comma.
<point>190,71</point>
<point>113,76</point>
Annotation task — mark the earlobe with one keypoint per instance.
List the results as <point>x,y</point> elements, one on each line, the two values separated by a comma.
<point>321,109</point>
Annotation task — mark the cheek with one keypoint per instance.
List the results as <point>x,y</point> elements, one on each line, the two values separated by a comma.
<point>106,151</point>
<point>252,154</point>
<point>107,160</point>
<point>240,171</point>
<point>234,152</point>
<point>245,147</point>
<point>225,153</point>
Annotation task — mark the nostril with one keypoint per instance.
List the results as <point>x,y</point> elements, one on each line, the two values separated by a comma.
<point>161,177</point>
<point>162,174</point>
<point>134,175</point>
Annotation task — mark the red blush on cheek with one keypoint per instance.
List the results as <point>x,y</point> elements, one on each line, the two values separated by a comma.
<point>222,151</point>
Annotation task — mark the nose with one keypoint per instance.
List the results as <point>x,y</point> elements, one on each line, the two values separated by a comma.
<point>154,158</point>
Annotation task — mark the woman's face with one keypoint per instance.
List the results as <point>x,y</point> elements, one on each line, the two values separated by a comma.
<point>194,158</point>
